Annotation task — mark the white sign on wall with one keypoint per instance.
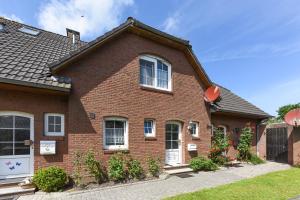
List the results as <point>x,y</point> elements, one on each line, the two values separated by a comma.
<point>47,147</point>
<point>192,147</point>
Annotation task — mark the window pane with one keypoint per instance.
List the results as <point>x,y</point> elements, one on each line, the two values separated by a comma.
<point>109,136</point>
<point>162,75</point>
<point>168,127</point>
<point>119,135</point>
<point>6,121</point>
<point>119,124</point>
<point>6,135</point>
<point>175,136</point>
<point>21,135</point>
<point>168,144</point>
<point>148,126</point>
<point>109,124</point>
<point>22,122</point>
<point>21,149</point>
<point>51,128</point>
<point>175,145</point>
<point>57,120</point>
<point>6,149</point>
<point>50,119</point>
<point>147,72</point>
<point>175,128</point>
<point>57,128</point>
<point>168,136</point>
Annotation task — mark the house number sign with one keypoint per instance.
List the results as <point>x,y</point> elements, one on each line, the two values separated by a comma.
<point>47,147</point>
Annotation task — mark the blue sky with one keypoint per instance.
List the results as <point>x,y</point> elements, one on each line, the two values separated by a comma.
<point>250,47</point>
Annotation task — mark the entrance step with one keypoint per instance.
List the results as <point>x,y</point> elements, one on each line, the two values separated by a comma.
<point>171,167</point>
<point>10,182</point>
<point>11,192</point>
<point>178,171</point>
<point>10,189</point>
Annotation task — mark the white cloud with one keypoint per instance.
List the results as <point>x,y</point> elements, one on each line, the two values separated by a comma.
<point>98,15</point>
<point>171,24</point>
<point>270,99</point>
<point>12,17</point>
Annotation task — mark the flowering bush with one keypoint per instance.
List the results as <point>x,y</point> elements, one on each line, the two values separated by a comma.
<point>220,145</point>
<point>245,144</point>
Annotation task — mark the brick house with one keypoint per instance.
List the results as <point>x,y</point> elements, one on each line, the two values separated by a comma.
<point>134,89</point>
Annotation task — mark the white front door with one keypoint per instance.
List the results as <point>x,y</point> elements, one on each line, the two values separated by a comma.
<point>16,138</point>
<point>173,144</point>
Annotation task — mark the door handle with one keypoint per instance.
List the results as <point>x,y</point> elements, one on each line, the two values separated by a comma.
<point>28,142</point>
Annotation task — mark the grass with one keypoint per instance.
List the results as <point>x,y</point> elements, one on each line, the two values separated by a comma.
<point>277,185</point>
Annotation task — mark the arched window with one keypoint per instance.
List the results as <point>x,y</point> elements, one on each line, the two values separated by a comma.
<point>155,72</point>
<point>222,129</point>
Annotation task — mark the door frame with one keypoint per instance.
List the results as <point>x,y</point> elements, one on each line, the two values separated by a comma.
<point>31,117</point>
<point>179,142</point>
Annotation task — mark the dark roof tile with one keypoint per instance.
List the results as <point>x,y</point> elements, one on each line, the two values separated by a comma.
<point>24,57</point>
<point>232,103</point>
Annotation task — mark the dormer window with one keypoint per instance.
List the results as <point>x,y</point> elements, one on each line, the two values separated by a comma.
<point>155,73</point>
<point>1,27</point>
<point>29,31</point>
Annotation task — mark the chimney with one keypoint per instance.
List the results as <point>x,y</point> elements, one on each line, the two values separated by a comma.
<point>74,36</point>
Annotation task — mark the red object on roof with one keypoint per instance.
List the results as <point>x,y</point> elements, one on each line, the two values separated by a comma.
<point>293,117</point>
<point>212,94</point>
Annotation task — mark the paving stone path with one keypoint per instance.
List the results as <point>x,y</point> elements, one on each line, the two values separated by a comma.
<point>159,189</point>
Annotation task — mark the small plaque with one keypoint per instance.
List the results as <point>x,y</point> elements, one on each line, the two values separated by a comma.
<point>47,147</point>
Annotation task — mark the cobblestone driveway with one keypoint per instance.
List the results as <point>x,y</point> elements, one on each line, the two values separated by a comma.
<point>159,189</point>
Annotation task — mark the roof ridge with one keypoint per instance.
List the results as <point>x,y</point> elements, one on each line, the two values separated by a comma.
<point>40,29</point>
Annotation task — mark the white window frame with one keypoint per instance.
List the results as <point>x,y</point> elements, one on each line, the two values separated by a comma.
<point>154,59</point>
<point>62,132</point>
<point>224,128</point>
<point>197,129</point>
<point>153,128</point>
<point>116,147</point>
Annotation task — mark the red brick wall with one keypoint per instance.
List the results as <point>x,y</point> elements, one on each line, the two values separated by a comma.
<point>37,105</point>
<point>232,122</point>
<point>106,82</point>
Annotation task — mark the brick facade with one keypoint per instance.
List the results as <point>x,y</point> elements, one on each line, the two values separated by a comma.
<point>105,82</point>
<point>235,122</point>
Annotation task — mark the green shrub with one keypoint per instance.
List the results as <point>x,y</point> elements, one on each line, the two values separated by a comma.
<point>116,167</point>
<point>255,160</point>
<point>77,168</point>
<point>245,144</point>
<point>94,167</point>
<point>203,164</point>
<point>219,147</point>
<point>135,169</point>
<point>219,159</point>
<point>50,179</point>
<point>153,166</point>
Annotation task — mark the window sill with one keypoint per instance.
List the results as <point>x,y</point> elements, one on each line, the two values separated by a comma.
<point>153,138</point>
<point>112,151</point>
<point>57,138</point>
<point>156,90</point>
<point>195,138</point>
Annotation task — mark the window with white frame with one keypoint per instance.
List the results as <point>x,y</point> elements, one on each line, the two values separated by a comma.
<point>222,129</point>
<point>115,133</point>
<point>194,129</point>
<point>149,128</point>
<point>54,124</point>
<point>155,73</point>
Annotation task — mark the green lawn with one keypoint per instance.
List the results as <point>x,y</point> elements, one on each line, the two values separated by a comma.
<point>276,185</point>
